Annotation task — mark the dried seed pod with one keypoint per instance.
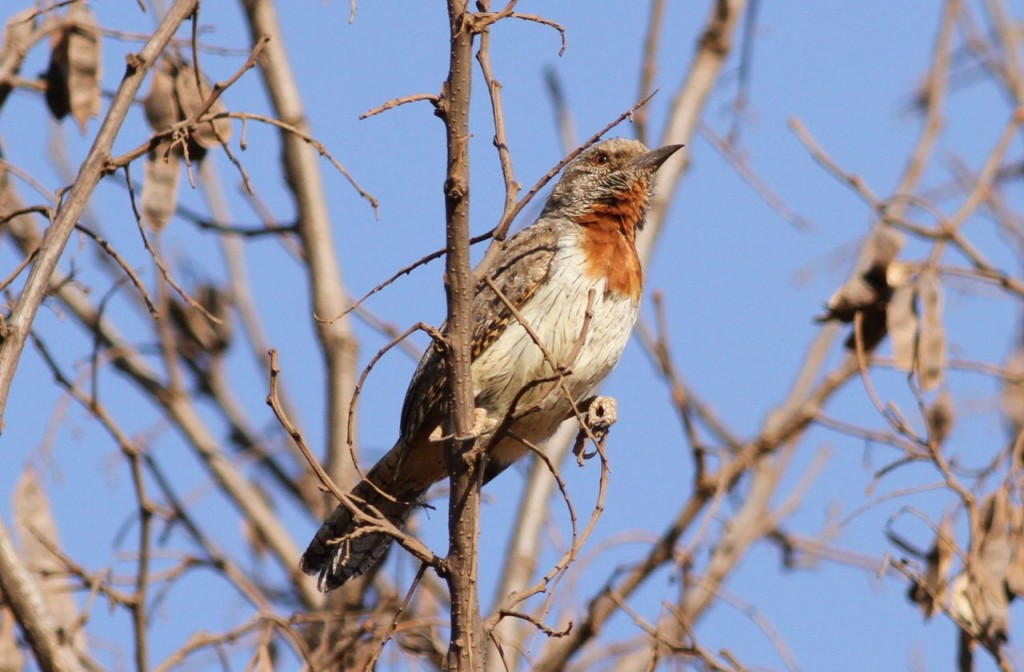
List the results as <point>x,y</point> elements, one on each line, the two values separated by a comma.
<point>175,95</point>
<point>190,94</point>
<point>196,332</point>
<point>160,105</point>
<point>868,291</point>
<point>901,322</point>
<point>160,186</point>
<point>997,538</point>
<point>1015,572</point>
<point>84,62</point>
<point>73,77</point>
<point>58,97</point>
<point>930,590</point>
<point>37,534</point>
<point>162,172</point>
<point>1013,388</point>
<point>11,659</point>
<point>998,546</point>
<point>940,416</point>
<point>17,36</point>
<point>18,31</point>
<point>931,347</point>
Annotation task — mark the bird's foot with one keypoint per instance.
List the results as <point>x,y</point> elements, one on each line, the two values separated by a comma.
<point>595,422</point>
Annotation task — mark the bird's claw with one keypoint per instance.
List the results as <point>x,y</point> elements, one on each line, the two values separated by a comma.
<point>595,422</point>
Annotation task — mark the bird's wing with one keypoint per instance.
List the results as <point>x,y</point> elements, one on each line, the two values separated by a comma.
<point>522,267</point>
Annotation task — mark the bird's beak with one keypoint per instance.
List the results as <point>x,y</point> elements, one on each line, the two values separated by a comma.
<point>653,159</point>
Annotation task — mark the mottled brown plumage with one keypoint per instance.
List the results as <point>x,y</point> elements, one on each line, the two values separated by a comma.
<point>584,240</point>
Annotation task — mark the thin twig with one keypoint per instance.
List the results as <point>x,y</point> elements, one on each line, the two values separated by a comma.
<point>156,257</point>
<point>92,170</point>
<point>395,102</point>
<point>129,271</point>
<point>410,543</point>
<point>20,267</point>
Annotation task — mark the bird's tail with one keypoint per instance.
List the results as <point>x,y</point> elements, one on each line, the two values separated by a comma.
<point>345,547</point>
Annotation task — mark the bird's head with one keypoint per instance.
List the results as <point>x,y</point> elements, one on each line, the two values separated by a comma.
<point>612,176</point>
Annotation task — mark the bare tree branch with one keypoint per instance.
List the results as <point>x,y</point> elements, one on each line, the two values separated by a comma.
<point>465,462</point>
<point>89,175</point>
<point>328,297</point>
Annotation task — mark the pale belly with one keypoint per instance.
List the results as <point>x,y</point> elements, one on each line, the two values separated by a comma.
<point>556,315</point>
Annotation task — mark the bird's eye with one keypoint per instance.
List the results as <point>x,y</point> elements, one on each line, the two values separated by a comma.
<point>600,159</point>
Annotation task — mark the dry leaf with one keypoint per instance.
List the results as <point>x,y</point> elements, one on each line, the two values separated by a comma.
<point>998,547</point>
<point>84,61</point>
<point>960,603</point>
<point>73,77</point>
<point>191,93</point>
<point>197,333</point>
<point>868,291</point>
<point>901,322</point>
<point>1015,572</point>
<point>58,97</point>
<point>34,523</point>
<point>998,537</point>
<point>160,105</point>
<point>860,292</point>
<point>982,605</point>
<point>11,659</point>
<point>931,349</point>
<point>162,172</point>
<point>18,31</point>
<point>930,590</point>
<point>1013,389</point>
<point>174,96</point>
<point>36,531</point>
<point>899,273</point>
<point>981,597</point>
<point>940,416</point>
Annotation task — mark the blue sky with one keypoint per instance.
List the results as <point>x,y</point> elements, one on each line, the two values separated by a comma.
<point>741,286</point>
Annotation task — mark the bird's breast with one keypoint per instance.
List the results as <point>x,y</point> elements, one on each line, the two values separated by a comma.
<point>556,314</point>
<point>608,240</point>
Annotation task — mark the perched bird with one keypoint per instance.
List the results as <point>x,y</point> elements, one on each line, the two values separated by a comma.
<point>584,240</point>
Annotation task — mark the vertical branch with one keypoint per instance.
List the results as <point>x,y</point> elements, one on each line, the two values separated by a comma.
<point>465,465</point>
<point>561,111</point>
<point>483,56</point>
<point>936,89</point>
<point>649,67</point>
<point>337,341</point>
<point>713,48</point>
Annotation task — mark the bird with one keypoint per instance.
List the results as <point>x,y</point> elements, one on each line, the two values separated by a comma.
<point>578,257</point>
